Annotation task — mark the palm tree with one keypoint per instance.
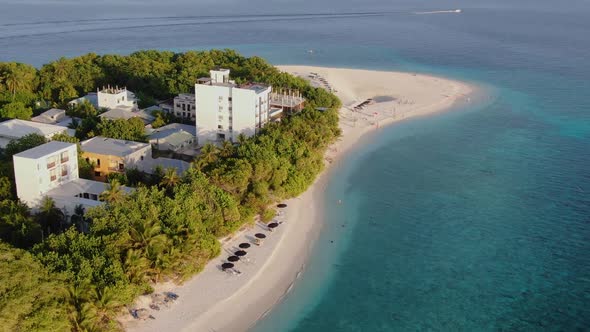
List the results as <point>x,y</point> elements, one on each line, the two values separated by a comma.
<point>227,149</point>
<point>242,138</point>
<point>81,312</point>
<point>114,193</point>
<point>136,266</point>
<point>74,124</point>
<point>170,178</point>
<point>79,220</point>
<point>106,304</point>
<point>50,217</point>
<point>208,155</point>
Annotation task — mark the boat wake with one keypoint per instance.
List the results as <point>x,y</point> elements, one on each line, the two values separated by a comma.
<point>455,11</point>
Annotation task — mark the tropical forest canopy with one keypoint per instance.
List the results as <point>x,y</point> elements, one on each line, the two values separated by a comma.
<point>82,269</point>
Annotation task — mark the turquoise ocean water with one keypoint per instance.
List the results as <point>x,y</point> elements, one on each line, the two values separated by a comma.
<point>477,219</point>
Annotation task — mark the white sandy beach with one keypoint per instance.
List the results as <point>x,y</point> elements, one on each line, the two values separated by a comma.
<point>216,301</point>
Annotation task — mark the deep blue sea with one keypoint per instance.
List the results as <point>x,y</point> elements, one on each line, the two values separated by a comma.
<point>477,219</point>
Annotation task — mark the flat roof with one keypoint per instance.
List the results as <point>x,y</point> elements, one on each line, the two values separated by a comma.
<point>16,128</point>
<point>111,146</point>
<point>125,112</point>
<point>92,97</point>
<point>173,137</point>
<point>178,126</point>
<point>150,165</point>
<point>69,190</point>
<point>256,87</point>
<point>44,150</point>
<point>186,95</point>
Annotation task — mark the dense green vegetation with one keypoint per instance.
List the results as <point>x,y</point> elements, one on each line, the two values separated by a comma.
<point>168,227</point>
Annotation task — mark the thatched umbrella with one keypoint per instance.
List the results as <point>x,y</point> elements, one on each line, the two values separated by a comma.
<point>233,258</point>
<point>272,225</point>
<point>227,266</point>
<point>282,205</point>
<point>260,236</point>
<point>244,245</point>
<point>240,253</point>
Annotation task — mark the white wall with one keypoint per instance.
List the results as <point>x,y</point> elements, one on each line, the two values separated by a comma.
<point>33,178</point>
<point>114,100</point>
<point>212,101</point>
<point>133,160</point>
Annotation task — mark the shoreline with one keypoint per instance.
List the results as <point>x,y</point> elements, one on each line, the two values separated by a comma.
<point>216,301</point>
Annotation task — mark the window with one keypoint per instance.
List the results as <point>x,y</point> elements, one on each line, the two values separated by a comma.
<point>220,118</point>
<point>141,157</point>
<point>183,114</point>
<point>96,173</point>
<point>86,195</point>
<point>94,197</point>
<point>229,98</point>
<point>220,108</point>
<point>64,171</point>
<point>64,157</point>
<point>220,98</point>
<point>53,175</point>
<point>51,162</point>
<point>219,127</point>
<point>121,167</point>
<point>183,107</point>
<point>98,162</point>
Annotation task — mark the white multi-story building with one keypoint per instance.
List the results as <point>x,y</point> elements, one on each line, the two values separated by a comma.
<point>226,110</point>
<point>185,106</point>
<point>113,98</point>
<point>51,170</point>
<point>45,167</point>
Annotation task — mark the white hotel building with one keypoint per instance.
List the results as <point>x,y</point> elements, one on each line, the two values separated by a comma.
<point>226,110</point>
<point>51,170</point>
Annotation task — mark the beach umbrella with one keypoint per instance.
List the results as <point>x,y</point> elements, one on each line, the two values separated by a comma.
<point>233,258</point>
<point>260,236</point>
<point>273,225</point>
<point>227,265</point>
<point>282,205</point>
<point>244,245</point>
<point>240,253</point>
